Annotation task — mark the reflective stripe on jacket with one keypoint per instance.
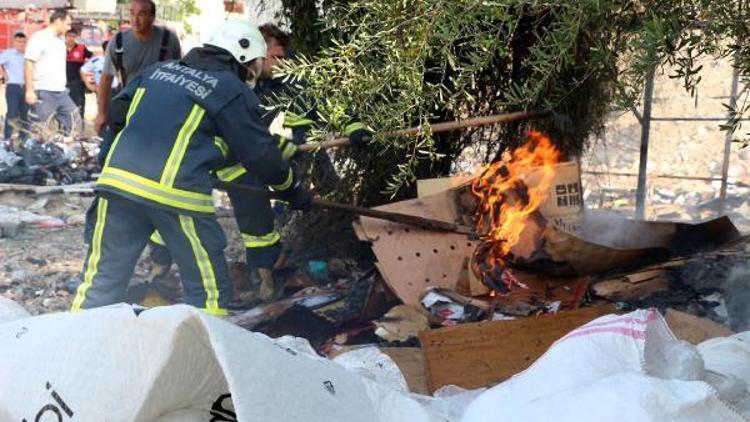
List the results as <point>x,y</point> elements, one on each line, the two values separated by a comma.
<point>182,123</point>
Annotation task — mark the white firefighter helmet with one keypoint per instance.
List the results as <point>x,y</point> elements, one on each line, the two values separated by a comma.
<point>240,38</point>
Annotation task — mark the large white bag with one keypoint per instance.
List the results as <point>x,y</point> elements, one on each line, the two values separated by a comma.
<point>728,355</point>
<point>616,368</point>
<point>175,364</point>
<point>10,310</point>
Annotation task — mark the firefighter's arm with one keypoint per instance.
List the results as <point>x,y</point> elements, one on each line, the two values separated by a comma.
<point>241,127</point>
<point>341,120</point>
<point>117,116</point>
<point>298,125</point>
<point>301,115</point>
<point>288,137</point>
<point>349,124</point>
<point>248,138</point>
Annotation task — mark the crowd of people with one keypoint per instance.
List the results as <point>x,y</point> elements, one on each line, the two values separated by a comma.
<point>39,85</point>
<point>48,73</point>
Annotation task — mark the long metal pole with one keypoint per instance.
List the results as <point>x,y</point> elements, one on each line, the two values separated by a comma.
<point>648,96</point>
<point>408,219</point>
<point>728,143</point>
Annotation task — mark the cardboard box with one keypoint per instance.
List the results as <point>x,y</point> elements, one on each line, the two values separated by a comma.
<point>564,204</point>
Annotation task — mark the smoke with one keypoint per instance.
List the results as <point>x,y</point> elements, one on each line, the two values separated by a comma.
<point>611,229</point>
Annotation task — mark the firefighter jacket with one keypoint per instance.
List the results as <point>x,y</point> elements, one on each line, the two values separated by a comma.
<point>180,121</point>
<point>300,122</point>
<point>302,115</point>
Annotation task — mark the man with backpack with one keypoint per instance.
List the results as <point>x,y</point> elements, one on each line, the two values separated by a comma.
<point>133,50</point>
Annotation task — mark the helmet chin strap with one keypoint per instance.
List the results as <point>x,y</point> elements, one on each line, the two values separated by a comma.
<point>254,69</point>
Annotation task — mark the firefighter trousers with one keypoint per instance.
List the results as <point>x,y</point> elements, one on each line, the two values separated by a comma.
<point>121,229</point>
<point>255,219</point>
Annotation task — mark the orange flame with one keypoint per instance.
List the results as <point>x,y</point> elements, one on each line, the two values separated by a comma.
<point>507,197</point>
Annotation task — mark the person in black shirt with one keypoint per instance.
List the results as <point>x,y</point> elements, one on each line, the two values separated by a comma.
<point>77,55</point>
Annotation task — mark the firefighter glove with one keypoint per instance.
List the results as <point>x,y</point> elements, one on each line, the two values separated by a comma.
<point>360,137</point>
<point>298,197</point>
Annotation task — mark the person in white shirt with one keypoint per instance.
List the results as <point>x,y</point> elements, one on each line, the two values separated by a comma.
<point>11,70</point>
<point>45,73</point>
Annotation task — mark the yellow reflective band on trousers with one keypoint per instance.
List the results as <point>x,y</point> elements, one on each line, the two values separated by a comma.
<point>149,189</point>
<point>223,147</point>
<point>204,266</point>
<point>156,238</point>
<point>262,241</point>
<point>180,146</point>
<point>231,173</point>
<point>137,97</point>
<point>286,184</point>
<point>92,264</point>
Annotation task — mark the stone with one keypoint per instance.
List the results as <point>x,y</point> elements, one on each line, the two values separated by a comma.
<point>9,229</point>
<point>666,193</point>
<point>38,205</point>
<point>72,284</point>
<point>76,220</point>
<point>19,276</point>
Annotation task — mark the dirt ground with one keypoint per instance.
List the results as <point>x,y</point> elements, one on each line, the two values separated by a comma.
<point>40,266</point>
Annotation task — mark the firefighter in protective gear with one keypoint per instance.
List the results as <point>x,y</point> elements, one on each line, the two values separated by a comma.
<point>175,123</point>
<point>254,214</point>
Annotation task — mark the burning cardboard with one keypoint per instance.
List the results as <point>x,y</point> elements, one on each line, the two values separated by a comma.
<point>506,201</point>
<point>527,211</point>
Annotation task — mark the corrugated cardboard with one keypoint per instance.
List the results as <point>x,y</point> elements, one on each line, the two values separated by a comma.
<point>427,187</point>
<point>564,204</point>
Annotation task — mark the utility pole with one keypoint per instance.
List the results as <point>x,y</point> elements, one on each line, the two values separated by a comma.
<point>648,97</point>
<point>728,142</point>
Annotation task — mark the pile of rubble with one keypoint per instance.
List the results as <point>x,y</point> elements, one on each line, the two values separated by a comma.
<point>59,161</point>
<point>447,318</point>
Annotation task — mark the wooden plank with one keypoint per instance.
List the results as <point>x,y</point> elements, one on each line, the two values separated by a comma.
<point>10,187</point>
<point>402,323</point>
<point>486,353</point>
<point>86,187</point>
<point>410,361</point>
<point>642,276</point>
<point>694,329</point>
<point>625,291</point>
